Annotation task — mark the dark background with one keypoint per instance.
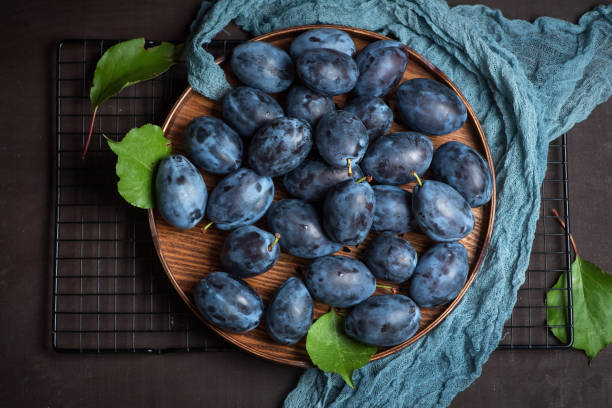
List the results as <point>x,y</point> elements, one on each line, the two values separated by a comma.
<point>31,374</point>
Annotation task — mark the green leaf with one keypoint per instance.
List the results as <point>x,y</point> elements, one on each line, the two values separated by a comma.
<point>137,155</point>
<point>592,307</point>
<point>556,300</point>
<point>128,63</point>
<point>125,64</point>
<point>333,351</point>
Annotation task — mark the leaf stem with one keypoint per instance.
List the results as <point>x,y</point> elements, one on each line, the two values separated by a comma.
<point>336,311</point>
<point>416,176</point>
<point>276,238</point>
<point>91,125</point>
<point>571,237</point>
<point>350,168</point>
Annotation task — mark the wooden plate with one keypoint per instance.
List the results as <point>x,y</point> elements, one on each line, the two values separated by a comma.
<point>187,256</point>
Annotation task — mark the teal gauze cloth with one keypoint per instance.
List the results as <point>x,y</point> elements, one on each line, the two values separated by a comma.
<point>527,82</point>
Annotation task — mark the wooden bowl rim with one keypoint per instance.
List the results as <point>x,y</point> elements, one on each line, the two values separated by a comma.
<point>483,250</point>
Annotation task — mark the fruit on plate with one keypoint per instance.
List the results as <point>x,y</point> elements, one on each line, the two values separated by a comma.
<point>180,192</point>
<point>249,251</point>
<point>392,213</point>
<point>311,179</point>
<point>381,66</point>
<point>442,213</point>
<point>300,229</point>
<point>241,198</point>
<point>279,146</point>
<point>212,145</point>
<point>391,158</point>
<point>465,170</point>
<point>290,311</point>
<point>322,38</point>
<point>246,109</point>
<point>228,303</point>
<point>352,181</point>
<point>303,103</point>
<point>263,66</point>
<point>391,258</point>
<point>375,114</point>
<point>428,106</point>
<point>384,320</point>
<point>327,72</point>
<point>439,275</point>
<point>348,211</point>
<point>339,281</point>
<point>341,138</point>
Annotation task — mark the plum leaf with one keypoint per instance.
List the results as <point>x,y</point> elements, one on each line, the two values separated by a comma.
<point>333,351</point>
<point>137,154</point>
<point>591,301</point>
<point>125,64</point>
<point>128,63</point>
<point>592,307</point>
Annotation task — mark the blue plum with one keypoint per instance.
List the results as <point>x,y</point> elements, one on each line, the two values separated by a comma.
<point>279,146</point>
<point>339,281</point>
<point>249,251</point>
<point>442,213</point>
<point>247,109</point>
<point>375,114</point>
<point>290,312</point>
<point>381,66</point>
<point>464,169</point>
<point>392,157</point>
<point>322,38</point>
<point>440,274</point>
<point>392,213</point>
<point>348,211</point>
<point>311,179</point>
<point>302,103</point>
<point>180,192</point>
<point>228,303</point>
<point>391,258</point>
<point>327,72</point>
<point>240,198</point>
<point>430,107</point>
<point>263,66</point>
<point>301,233</point>
<point>385,320</point>
<point>340,135</point>
<point>212,145</point>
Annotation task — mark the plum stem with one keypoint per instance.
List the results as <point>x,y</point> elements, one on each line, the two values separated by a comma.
<point>391,288</point>
<point>364,178</point>
<point>276,238</point>
<point>565,228</point>
<point>207,226</point>
<point>91,125</point>
<point>416,176</point>
<point>350,168</point>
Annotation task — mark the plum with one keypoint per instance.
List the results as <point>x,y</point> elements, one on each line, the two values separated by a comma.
<point>180,192</point>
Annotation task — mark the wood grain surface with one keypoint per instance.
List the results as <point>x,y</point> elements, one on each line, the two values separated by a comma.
<point>187,256</point>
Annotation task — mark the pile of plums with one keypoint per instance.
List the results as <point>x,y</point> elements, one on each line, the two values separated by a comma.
<point>343,170</point>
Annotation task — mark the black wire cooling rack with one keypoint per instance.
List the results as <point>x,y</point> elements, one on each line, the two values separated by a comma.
<point>550,257</point>
<point>110,293</point>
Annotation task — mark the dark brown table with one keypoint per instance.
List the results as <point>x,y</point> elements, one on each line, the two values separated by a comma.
<point>32,374</point>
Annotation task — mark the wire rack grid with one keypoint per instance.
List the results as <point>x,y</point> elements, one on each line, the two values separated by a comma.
<point>110,293</point>
<point>550,257</point>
